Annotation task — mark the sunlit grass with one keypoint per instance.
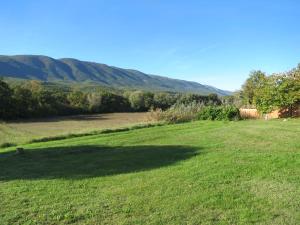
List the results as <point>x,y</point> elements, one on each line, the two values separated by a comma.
<point>194,173</point>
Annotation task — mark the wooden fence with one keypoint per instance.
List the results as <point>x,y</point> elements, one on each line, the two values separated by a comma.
<point>280,113</point>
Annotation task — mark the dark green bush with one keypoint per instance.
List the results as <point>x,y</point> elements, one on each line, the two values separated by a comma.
<point>7,144</point>
<point>219,113</point>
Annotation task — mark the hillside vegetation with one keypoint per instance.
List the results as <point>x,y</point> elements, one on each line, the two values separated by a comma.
<point>203,172</point>
<point>32,99</point>
<point>72,70</point>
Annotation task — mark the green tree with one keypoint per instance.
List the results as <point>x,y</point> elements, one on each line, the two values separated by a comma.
<point>141,101</point>
<point>5,100</point>
<point>105,101</point>
<point>255,81</point>
<point>211,99</point>
<point>78,100</point>
<point>94,101</point>
<point>265,98</point>
<point>52,102</point>
<point>288,91</point>
<point>275,92</point>
<point>25,104</point>
<point>163,100</point>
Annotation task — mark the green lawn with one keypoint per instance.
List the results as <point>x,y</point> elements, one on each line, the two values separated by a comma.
<point>194,173</point>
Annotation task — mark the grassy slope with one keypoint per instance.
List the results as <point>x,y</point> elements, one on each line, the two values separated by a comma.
<point>194,173</point>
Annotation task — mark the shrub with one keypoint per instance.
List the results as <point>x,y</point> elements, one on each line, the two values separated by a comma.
<point>211,99</point>
<point>219,113</point>
<point>141,101</point>
<point>177,113</point>
<point>7,144</point>
<point>164,100</point>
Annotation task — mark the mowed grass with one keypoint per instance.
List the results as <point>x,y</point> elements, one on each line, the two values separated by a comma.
<point>245,172</point>
<point>16,132</point>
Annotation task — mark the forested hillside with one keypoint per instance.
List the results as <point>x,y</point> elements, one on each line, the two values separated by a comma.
<point>72,70</point>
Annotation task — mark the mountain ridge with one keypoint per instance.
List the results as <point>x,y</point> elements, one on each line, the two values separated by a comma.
<point>45,68</point>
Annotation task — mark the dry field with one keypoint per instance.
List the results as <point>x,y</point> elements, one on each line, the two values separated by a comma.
<point>25,130</point>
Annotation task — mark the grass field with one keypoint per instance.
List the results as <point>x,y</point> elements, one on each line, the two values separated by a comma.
<point>25,130</point>
<point>245,172</point>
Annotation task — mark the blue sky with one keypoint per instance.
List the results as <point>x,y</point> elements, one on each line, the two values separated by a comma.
<point>212,42</point>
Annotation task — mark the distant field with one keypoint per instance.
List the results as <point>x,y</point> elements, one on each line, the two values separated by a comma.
<point>25,130</point>
<point>245,172</point>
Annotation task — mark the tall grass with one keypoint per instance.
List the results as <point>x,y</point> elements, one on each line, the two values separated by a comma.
<point>178,113</point>
<point>190,112</point>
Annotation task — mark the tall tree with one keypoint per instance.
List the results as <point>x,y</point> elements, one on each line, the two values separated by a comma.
<point>25,104</point>
<point>255,81</point>
<point>5,100</point>
<point>78,100</point>
<point>265,96</point>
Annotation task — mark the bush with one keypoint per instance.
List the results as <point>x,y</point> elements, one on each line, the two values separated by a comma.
<point>211,99</point>
<point>164,100</point>
<point>194,111</point>
<point>105,102</point>
<point>219,113</point>
<point>7,144</point>
<point>177,113</point>
<point>141,101</point>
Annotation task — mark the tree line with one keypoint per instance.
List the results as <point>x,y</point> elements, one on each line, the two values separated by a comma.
<point>267,93</point>
<point>32,99</point>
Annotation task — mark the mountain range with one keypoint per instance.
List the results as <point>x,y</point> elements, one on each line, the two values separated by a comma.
<point>70,70</point>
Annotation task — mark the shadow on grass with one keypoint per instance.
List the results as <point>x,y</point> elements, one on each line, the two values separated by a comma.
<point>79,162</point>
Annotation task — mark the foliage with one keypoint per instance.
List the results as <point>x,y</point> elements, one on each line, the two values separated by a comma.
<point>33,99</point>
<point>177,113</point>
<point>78,100</point>
<point>265,96</point>
<point>233,100</point>
<point>211,99</point>
<point>5,100</point>
<point>163,100</point>
<point>289,88</point>
<point>141,101</point>
<point>104,102</point>
<point>194,111</point>
<point>7,144</point>
<point>25,103</point>
<point>255,81</point>
<point>219,113</point>
<point>267,93</point>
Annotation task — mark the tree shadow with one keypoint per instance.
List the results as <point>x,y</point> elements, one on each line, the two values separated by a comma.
<point>79,162</point>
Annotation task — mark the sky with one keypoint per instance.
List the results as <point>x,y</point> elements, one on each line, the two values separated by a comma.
<point>212,42</point>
